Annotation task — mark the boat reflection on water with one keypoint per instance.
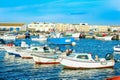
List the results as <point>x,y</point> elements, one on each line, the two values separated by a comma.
<point>46,66</point>
<point>12,58</point>
<point>85,74</point>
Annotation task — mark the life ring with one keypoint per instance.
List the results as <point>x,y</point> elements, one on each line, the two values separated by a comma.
<point>109,56</point>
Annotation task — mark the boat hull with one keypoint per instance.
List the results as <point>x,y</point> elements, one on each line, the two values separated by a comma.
<point>62,40</point>
<point>12,51</point>
<point>25,54</point>
<point>76,64</point>
<point>46,59</point>
<point>104,38</point>
<point>39,39</point>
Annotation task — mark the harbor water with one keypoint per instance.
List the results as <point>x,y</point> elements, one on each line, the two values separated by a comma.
<point>16,68</point>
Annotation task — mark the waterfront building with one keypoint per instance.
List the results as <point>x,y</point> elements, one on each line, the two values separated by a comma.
<point>62,27</point>
<point>72,27</point>
<point>12,27</point>
<point>115,28</point>
<point>103,28</point>
<point>99,28</point>
<point>46,27</point>
<point>84,28</point>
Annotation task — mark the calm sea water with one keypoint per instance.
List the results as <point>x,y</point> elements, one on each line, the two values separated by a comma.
<point>24,69</point>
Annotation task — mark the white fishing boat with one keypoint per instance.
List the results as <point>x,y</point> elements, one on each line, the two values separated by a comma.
<point>23,52</point>
<point>85,61</point>
<point>104,38</point>
<point>60,39</point>
<point>41,38</point>
<point>18,50</point>
<point>12,50</point>
<point>26,54</point>
<point>76,35</point>
<point>11,36</point>
<point>47,57</point>
<point>8,37</point>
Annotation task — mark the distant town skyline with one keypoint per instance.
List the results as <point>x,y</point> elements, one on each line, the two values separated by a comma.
<point>99,12</point>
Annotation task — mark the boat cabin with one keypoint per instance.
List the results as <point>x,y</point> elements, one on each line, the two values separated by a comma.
<point>83,56</point>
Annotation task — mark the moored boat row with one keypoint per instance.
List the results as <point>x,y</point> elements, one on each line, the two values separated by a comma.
<point>72,61</point>
<point>45,55</point>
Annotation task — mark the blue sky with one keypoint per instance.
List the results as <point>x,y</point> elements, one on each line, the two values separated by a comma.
<point>102,12</point>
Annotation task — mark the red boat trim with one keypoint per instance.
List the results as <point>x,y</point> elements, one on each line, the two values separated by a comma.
<point>27,57</point>
<point>114,78</point>
<point>68,67</point>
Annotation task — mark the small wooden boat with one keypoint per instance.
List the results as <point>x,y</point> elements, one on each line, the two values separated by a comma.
<point>41,38</point>
<point>26,54</point>
<point>104,38</point>
<point>85,61</point>
<point>12,50</point>
<point>47,57</point>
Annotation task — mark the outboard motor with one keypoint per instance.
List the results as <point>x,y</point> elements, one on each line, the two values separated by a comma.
<point>109,56</point>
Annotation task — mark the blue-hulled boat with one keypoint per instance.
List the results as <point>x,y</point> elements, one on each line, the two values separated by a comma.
<point>62,40</point>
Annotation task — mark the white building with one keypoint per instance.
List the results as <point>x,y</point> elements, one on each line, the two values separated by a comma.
<point>12,27</point>
<point>41,26</point>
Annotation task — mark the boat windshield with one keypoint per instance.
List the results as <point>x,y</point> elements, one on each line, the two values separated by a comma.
<point>82,57</point>
<point>72,55</point>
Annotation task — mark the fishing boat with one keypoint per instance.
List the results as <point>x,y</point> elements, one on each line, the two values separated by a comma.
<point>60,39</point>
<point>23,52</point>
<point>12,50</point>
<point>8,36</point>
<point>19,50</point>
<point>26,54</point>
<point>104,38</point>
<point>63,40</point>
<point>72,34</point>
<point>47,57</point>
<point>85,61</point>
<point>41,38</point>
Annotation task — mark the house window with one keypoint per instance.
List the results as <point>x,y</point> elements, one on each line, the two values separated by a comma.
<point>11,29</point>
<point>17,29</point>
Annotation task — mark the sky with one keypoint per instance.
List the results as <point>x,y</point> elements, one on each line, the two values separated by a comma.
<point>97,12</point>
